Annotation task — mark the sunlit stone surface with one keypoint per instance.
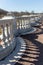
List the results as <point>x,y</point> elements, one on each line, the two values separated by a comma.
<point>35,20</point>
<point>6,35</point>
<point>23,24</point>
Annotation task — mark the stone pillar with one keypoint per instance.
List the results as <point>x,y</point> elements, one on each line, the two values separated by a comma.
<point>29,22</point>
<point>21,23</point>
<point>17,23</point>
<point>25,23</point>
<point>3,27</point>
<point>7,32</point>
<point>11,32</point>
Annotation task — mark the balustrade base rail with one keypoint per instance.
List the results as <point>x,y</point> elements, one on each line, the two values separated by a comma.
<point>8,49</point>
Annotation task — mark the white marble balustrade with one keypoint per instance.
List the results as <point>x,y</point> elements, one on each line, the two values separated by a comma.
<point>23,24</point>
<point>6,30</point>
<point>7,38</point>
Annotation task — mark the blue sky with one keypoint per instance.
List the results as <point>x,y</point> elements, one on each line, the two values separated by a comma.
<point>22,5</point>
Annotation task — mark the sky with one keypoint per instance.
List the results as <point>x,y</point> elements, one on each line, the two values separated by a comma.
<point>22,5</point>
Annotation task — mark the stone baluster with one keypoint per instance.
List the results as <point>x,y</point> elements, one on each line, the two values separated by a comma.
<point>4,37</point>
<point>18,24</point>
<point>7,32</point>
<point>11,32</point>
<point>29,22</point>
<point>25,23</point>
<point>21,23</point>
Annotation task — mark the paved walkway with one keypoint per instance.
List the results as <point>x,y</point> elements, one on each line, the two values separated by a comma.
<point>33,55</point>
<point>34,49</point>
<point>16,54</point>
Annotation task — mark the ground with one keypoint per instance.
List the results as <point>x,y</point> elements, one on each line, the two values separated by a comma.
<point>33,54</point>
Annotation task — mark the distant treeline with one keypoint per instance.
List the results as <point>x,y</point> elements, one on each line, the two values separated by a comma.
<point>15,13</point>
